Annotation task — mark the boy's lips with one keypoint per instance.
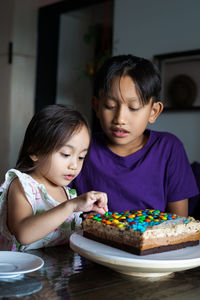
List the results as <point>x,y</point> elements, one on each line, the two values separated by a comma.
<point>119,132</point>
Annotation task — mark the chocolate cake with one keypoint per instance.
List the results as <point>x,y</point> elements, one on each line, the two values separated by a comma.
<point>142,232</point>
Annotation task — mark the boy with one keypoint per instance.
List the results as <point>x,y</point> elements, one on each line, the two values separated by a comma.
<point>138,168</point>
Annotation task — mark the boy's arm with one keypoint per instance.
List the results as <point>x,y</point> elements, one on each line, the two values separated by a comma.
<point>178,207</point>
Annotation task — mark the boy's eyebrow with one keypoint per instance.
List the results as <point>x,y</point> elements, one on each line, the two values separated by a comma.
<point>116,99</point>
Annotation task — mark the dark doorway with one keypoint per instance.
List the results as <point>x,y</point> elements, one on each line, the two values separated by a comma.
<point>48,50</point>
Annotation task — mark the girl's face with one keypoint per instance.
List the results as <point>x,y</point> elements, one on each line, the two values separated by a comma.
<point>123,117</point>
<point>62,166</point>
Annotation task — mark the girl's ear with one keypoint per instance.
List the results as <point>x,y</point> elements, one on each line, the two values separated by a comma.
<point>33,157</point>
<point>95,105</point>
<point>156,110</point>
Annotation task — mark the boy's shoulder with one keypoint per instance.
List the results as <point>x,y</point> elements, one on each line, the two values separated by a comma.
<point>166,143</point>
<point>164,136</point>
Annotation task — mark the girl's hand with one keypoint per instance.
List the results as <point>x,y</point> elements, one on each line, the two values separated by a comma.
<point>91,201</point>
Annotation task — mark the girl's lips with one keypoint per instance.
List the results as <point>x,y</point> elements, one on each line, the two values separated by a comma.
<point>69,177</point>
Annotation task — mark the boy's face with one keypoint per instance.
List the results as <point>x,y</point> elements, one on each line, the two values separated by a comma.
<point>122,116</point>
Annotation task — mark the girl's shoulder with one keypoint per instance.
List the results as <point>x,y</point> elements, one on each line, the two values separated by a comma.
<point>9,178</point>
<point>13,174</point>
<point>15,179</point>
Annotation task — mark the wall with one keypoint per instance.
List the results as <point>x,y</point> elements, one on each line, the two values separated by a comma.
<point>17,82</point>
<point>23,73</point>
<point>146,28</point>
<point>5,74</point>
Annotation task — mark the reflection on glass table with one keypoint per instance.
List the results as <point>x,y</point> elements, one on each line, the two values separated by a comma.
<point>67,275</point>
<point>19,286</point>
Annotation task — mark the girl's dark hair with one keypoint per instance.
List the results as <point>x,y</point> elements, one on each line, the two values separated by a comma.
<point>47,132</point>
<point>144,73</point>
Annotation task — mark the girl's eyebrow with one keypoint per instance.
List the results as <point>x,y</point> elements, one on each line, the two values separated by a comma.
<point>85,150</point>
<point>69,146</point>
<point>72,147</point>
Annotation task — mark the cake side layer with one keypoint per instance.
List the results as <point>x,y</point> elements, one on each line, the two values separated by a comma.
<point>137,251</point>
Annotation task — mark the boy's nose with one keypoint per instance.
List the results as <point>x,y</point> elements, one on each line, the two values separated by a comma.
<point>120,117</point>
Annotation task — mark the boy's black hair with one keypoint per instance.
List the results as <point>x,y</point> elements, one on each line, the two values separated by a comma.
<point>143,72</point>
<point>48,131</point>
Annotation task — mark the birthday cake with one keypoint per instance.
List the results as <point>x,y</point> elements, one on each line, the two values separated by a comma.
<point>142,232</point>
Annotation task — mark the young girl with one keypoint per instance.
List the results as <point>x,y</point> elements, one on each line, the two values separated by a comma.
<point>37,209</point>
<point>138,168</point>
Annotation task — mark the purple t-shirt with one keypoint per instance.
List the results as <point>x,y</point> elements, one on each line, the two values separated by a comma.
<point>150,178</point>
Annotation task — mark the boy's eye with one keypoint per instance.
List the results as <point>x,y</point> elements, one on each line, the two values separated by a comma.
<point>134,108</point>
<point>109,106</point>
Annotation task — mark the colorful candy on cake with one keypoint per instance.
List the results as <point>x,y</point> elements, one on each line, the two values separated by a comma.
<point>142,232</point>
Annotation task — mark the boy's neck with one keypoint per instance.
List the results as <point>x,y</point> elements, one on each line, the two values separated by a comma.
<point>131,148</point>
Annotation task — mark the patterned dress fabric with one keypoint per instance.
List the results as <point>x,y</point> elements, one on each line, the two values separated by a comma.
<point>40,201</point>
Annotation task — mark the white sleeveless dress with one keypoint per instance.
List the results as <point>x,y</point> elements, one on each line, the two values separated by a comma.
<point>40,201</point>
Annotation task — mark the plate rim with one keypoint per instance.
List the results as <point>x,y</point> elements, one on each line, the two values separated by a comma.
<point>38,259</point>
<point>134,262</point>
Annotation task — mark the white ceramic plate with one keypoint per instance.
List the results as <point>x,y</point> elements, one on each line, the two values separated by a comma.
<point>13,264</point>
<point>148,265</point>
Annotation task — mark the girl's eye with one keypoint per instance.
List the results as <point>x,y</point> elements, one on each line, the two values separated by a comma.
<point>65,155</point>
<point>81,157</point>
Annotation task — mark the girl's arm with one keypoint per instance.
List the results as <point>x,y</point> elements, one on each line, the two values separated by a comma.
<point>178,207</point>
<point>28,228</point>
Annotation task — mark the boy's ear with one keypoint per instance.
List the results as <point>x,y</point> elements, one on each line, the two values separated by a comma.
<point>33,157</point>
<point>156,110</point>
<point>95,105</point>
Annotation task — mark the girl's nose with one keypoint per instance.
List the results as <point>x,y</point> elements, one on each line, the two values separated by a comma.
<point>73,164</point>
<point>120,116</point>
